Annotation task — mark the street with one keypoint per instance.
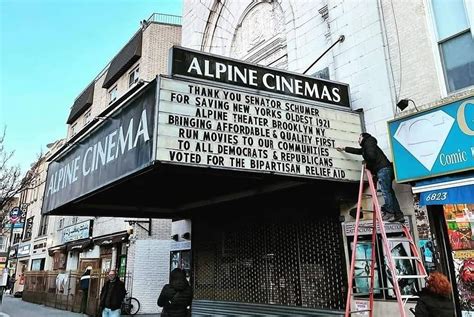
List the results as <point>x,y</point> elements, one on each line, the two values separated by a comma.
<point>15,307</point>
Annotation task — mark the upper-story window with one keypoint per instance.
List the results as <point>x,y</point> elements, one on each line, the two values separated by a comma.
<point>87,117</point>
<point>43,228</point>
<point>133,76</point>
<point>113,94</point>
<point>3,243</point>
<point>74,129</point>
<point>456,43</point>
<point>61,223</point>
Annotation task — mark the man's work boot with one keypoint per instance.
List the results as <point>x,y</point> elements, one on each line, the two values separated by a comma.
<point>386,216</point>
<point>398,217</point>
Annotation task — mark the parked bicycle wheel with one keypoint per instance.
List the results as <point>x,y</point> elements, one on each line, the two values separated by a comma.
<point>134,306</point>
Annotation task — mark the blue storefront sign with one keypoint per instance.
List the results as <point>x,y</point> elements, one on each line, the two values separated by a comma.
<point>439,141</point>
<point>455,189</point>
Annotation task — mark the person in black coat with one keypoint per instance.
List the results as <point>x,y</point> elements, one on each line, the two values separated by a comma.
<point>84,284</point>
<point>176,296</point>
<point>111,296</point>
<point>380,167</point>
<point>434,300</point>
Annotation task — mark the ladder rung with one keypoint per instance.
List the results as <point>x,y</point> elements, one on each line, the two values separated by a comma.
<point>366,260</point>
<point>366,210</point>
<point>375,289</point>
<point>410,296</point>
<point>402,239</point>
<point>406,258</point>
<point>363,276</point>
<point>410,276</point>
<point>359,311</point>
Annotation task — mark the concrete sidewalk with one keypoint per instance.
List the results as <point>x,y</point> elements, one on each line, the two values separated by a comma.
<point>16,307</point>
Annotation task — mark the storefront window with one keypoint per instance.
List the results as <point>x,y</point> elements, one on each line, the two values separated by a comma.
<point>37,265</point>
<point>460,224</point>
<point>403,267</point>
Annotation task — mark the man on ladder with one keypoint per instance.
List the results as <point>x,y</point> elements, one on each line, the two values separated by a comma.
<point>379,165</point>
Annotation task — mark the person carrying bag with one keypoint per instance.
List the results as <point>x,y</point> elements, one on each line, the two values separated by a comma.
<point>176,296</point>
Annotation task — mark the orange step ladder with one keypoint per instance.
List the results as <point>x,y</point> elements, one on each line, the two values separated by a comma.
<point>390,260</point>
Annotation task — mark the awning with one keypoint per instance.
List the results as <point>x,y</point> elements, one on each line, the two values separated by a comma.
<point>112,239</point>
<point>79,245</point>
<point>457,189</point>
<point>57,249</point>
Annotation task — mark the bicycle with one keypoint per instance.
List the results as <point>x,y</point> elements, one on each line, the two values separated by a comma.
<point>130,305</point>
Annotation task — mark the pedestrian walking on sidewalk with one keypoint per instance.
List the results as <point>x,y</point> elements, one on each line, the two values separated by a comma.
<point>176,297</point>
<point>84,284</point>
<point>379,165</point>
<point>112,295</point>
<point>11,283</point>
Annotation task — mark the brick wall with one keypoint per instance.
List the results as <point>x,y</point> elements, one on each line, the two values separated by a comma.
<point>359,61</point>
<point>150,272</point>
<point>157,39</point>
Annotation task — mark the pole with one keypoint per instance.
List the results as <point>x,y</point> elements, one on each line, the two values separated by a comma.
<point>2,288</point>
<point>340,39</point>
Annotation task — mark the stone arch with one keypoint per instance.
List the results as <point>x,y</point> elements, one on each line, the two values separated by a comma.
<point>211,25</point>
<point>260,35</point>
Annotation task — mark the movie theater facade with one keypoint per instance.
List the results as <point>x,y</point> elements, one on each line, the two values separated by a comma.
<point>248,154</point>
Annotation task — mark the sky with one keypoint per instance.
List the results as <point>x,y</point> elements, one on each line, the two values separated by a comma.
<point>50,50</point>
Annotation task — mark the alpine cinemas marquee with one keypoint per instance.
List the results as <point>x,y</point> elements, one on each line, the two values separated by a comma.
<point>202,66</point>
<point>212,126</point>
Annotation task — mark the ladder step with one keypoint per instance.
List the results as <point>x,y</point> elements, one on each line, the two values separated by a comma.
<point>359,311</point>
<point>375,288</point>
<point>401,239</point>
<point>411,276</point>
<point>406,258</point>
<point>366,210</point>
<point>410,296</point>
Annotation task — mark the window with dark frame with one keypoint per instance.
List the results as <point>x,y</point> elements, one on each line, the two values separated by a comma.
<point>87,117</point>
<point>383,282</point>
<point>134,76</point>
<point>43,229</point>
<point>113,94</point>
<point>3,243</point>
<point>28,228</point>
<point>74,129</point>
<point>456,43</point>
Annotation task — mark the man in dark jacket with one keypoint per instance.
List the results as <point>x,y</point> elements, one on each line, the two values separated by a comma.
<point>379,165</point>
<point>84,284</point>
<point>176,296</point>
<point>112,295</point>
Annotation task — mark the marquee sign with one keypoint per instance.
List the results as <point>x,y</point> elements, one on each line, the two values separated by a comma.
<point>212,126</point>
<point>119,147</point>
<point>190,63</point>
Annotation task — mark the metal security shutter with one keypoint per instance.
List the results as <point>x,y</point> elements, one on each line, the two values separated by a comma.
<point>279,261</point>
